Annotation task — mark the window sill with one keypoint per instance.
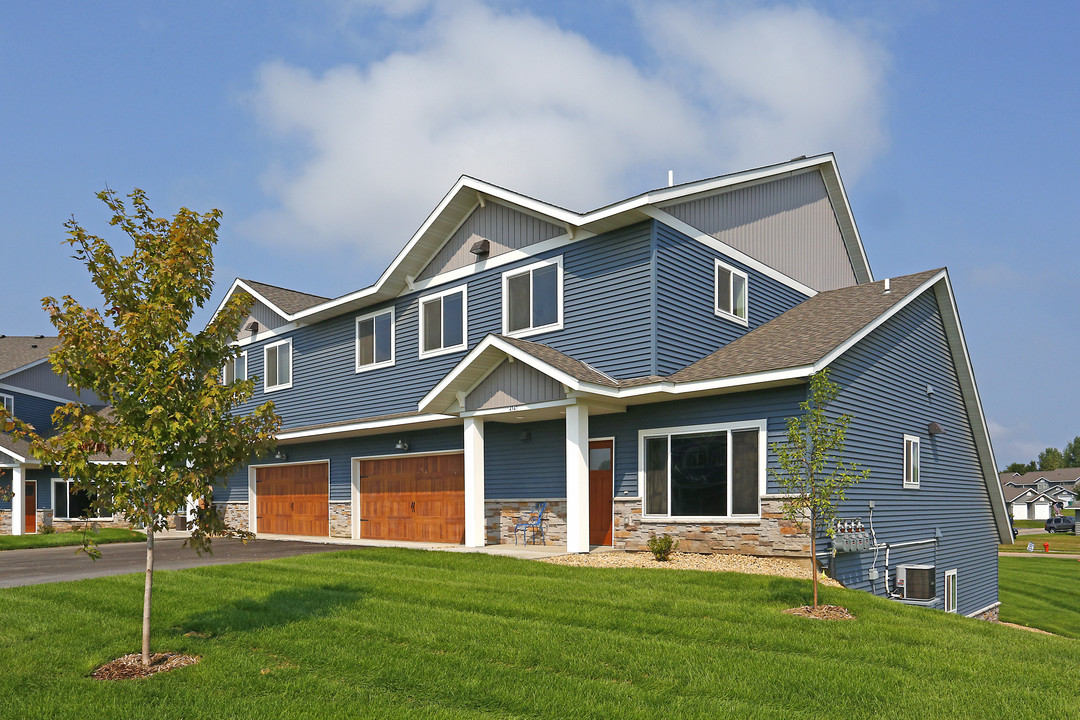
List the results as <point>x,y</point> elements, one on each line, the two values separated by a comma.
<point>374,366</point>
<point>424,354</point>
<point>731,317</point>
<point>276,388</point>
<point>526,332</point>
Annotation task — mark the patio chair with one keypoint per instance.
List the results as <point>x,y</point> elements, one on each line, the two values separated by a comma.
<point>532,522</point>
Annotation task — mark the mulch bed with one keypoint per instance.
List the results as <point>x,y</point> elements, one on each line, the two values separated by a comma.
<point>823,612</point>
<point>130,667</point>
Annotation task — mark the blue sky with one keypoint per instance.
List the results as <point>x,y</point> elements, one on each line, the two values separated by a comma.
<point>327,130</point>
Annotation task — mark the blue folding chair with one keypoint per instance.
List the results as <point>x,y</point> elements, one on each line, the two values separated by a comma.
<point>532,521</point>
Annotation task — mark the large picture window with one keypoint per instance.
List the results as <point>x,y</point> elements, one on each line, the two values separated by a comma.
<point>707,471</point>
<point>731,292</point>
<point>277,366</point>
<point>70,504</point>
<point>442,322</point>
<point>532,298</point>
<point>375,340</point>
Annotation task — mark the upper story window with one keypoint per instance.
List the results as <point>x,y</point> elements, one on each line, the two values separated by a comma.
<point>708,471</point>
<point>375,340</point>
<point>443,326</point>
<point>911,461</point>
<point>235,369</point>
<point>277,365</point>
<point>8,402</point>
<point>533,298</point>
<point>731,293</point>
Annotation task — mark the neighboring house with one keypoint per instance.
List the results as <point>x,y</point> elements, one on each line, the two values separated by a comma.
<point>1033,495</point>
<point>631,367</point>
<point>31,391</point>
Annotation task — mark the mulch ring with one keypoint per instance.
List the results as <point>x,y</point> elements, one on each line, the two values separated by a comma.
<point>823,612</point>
<point>130,667</point>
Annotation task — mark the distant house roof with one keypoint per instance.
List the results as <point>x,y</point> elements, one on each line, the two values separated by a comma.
<point>1062,476</point>
<point>289,301</point>
<point>17,351</point>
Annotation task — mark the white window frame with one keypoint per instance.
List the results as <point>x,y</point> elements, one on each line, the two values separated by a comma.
<point>232,361</point>
<point>267,387</point>
<point>393,339</point>
<point>759,425</point>
<point>911,441</point>
<point>8,401</point>
<point>464,290</point>
<point>735,272</point>
<point>533,329</point>
<point>951,595</point>
<point>67,488</point>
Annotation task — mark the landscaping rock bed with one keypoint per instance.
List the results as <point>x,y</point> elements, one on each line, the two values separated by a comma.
<point>693,561</point>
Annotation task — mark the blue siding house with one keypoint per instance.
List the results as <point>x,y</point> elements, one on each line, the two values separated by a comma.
<point>630,367</point>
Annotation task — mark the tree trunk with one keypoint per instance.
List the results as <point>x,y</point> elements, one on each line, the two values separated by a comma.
<point>146,596</point>
<point>813,554</point>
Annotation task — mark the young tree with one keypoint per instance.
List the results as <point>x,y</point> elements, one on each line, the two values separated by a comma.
<point>1071,454</point>
<point>169,416</point>
<point>810,465</point>
<point>1019,467</point>
<point>1051,459</point>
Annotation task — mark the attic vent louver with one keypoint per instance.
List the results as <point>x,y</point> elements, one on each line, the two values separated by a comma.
<point>480,248</point>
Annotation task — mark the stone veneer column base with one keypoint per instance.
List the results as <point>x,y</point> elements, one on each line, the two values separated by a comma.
<point>990,615</point>
<point>771,536</point>
<point>234,514</point>
<point>341,520</point>
<point>500,516</point>
<point>5,522</point>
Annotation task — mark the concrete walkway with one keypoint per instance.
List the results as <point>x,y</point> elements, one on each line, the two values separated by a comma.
<point>61,564</point>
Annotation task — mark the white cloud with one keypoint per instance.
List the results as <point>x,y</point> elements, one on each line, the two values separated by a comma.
<point>522,103</point>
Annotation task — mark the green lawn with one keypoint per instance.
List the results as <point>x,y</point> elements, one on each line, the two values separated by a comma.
<point>389,633</point>
<point>1041,592</point>
<point>1059,542</point>
<point>103,536</point>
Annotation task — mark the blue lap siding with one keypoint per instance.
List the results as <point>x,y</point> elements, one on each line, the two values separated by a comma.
<point>884,381</point>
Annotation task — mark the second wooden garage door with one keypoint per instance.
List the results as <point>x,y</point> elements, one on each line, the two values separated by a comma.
<point>293,499</point>
<point>413,498</point>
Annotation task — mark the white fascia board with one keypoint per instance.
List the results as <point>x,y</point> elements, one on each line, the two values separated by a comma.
<point>708,240</point>
<point>954,332</point>
<point>878,322</point>
<point>238,283</point>
<point>11,454</point>
<point>27,366</point>
<point>34,393</point>
<point>358,426</point>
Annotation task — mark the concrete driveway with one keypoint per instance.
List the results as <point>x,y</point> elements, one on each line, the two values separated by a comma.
<point>60,564</point>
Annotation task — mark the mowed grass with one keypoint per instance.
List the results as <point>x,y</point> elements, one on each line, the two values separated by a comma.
<point>1041,592</point>
<point>103,536</point>
<point>1059,543</point>
<point>391,633</point>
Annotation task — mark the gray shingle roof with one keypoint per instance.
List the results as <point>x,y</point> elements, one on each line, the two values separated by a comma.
<point>575,368</point>
<point>290,301</point>
<point>806,333</point>
<point>17,351</point>
<point>1063,476</point>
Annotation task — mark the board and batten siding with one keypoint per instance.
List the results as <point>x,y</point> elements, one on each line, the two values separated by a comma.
<point>688,328</point>
<point>513,383</point>
<point>264,316</point>
<point>606,322</point>
<point>788,224</point>
<point>504,228</point>
<point>883,382</point>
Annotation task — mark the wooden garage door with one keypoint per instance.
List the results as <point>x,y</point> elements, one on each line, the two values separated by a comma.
<point>413,498</point>
<point>293,499</point>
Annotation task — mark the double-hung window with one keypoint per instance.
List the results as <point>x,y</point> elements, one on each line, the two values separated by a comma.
<point>443,327</point>
<point>731,288</point>
<point>375,340</point>
<point>71,504</point>
<point>8,401</point>
<point>705,471</point>
<point>235,369</point>
<point>911,461</point>
<point>277,365</point>
<point>533,298</point>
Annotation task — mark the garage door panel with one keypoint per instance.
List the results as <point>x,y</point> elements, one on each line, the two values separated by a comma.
<point>418,498</point>
<point>293,499</point>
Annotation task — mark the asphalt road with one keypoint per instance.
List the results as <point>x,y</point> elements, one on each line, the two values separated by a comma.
<point>60,564</point>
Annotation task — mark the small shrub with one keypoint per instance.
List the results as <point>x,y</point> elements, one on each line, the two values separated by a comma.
<point>661,547</point>
<point>44,529</point>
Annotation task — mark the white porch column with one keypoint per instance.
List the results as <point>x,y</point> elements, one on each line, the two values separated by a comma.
<point>577,478</point>
<point>18,501</point>
<point>475,530</point>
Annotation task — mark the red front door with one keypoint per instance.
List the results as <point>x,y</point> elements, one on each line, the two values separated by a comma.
<point>31,507</point>
<point>601,489</point>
